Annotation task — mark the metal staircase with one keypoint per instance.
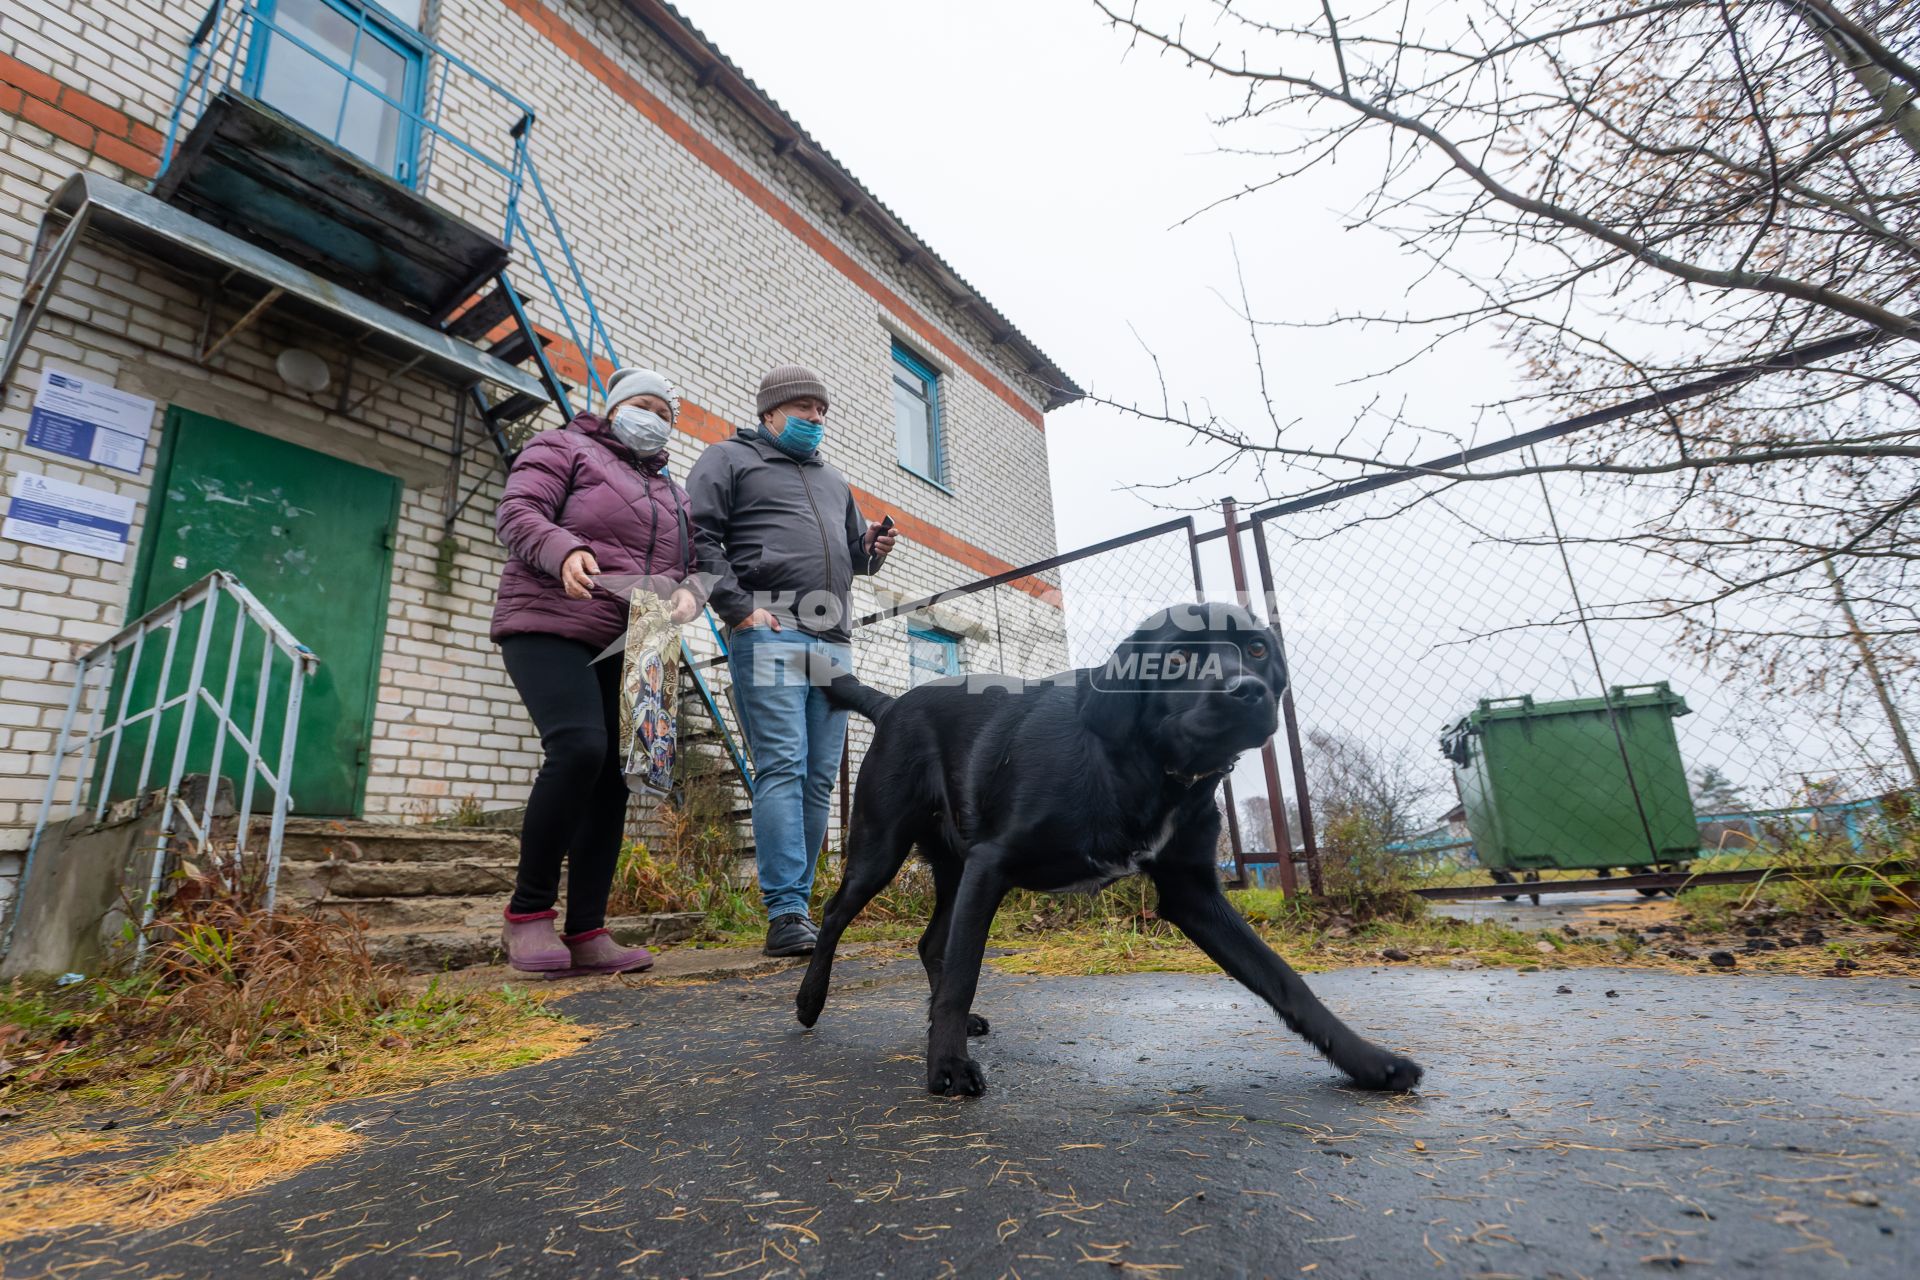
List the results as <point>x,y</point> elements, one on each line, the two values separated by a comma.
<point>234,160</point>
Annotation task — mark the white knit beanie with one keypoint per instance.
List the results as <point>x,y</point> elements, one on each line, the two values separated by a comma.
<point>628,383</point>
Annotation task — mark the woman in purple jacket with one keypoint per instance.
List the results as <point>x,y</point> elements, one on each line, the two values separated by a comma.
<point>593,498</point>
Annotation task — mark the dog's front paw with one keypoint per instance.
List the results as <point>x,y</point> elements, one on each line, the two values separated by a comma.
<point>977,1025</point>
<point>955,1075</point>
<point>1387,1072</point>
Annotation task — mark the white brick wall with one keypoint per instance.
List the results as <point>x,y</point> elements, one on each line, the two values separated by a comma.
<point>690,274</point>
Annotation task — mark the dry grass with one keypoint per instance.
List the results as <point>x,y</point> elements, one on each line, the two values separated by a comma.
<point>1311,941</point>
<point>688,864</point>
<point>1155,947</point>
<point>238,1008</point>
<point>1117,931</point>
<point>278,1015</point>
<point>40,1191</point>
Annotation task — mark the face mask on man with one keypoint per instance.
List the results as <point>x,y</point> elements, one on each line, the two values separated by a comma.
<point>641,430</point>
<point>801,436</point>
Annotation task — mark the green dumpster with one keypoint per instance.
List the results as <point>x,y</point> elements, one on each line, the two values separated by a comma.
<point>1544,785</point>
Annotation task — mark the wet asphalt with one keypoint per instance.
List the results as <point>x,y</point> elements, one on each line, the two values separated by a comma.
<point>1620,906</point>
<point>1153,1125</point>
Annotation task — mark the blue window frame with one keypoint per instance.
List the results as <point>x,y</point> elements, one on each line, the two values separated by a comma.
<point>932,654</point>
<point>347,70</point>
<point>916,416</point>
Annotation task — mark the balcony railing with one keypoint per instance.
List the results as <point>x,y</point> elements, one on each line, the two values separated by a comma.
<point>228,53</point>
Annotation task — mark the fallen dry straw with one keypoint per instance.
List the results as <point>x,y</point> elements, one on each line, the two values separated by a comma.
<point>42,1191</point>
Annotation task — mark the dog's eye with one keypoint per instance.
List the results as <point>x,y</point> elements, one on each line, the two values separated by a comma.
<point>1256,650</point>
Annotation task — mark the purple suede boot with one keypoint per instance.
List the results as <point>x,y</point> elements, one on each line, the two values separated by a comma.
<point>595,951</point>
<point>532,943</point>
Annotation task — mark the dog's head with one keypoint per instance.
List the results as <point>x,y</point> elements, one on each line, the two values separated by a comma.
<point>1195,684</point>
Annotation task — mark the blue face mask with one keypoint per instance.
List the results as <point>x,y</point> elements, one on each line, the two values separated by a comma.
<point>800,437</point>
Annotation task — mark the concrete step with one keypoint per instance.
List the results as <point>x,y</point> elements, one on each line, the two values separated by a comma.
<point>325,839</point>
<point>313,881</point>
<point>458,912</point>
<point>432,950</point>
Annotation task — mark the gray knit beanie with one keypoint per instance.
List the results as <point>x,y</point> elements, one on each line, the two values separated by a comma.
<point>788,382</point>
<point>628,383</point>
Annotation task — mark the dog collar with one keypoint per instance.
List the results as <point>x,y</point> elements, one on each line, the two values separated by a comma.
<point>1195,779</point>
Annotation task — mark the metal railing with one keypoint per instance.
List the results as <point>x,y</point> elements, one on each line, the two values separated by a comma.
<point>231,38</point>
<point>113,718</point>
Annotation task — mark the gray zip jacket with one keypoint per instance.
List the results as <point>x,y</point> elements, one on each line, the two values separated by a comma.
<point>776,534</point>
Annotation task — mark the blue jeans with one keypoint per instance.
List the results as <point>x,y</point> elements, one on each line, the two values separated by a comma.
<point>796,739</point>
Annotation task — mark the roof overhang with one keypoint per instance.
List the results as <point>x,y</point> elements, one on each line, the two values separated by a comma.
<point>95,205</point>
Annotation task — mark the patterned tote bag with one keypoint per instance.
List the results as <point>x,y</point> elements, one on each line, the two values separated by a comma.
<point>649,684</point>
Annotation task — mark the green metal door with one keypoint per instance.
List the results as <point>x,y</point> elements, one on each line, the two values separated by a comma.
<point>310,536</point>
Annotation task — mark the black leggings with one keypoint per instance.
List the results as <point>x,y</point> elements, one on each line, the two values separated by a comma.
<point>578,806</point>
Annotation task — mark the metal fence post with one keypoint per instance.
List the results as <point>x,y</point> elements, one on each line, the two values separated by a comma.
<point>1234,842</point>
<point>1309,838</point>
<point>1233,836</point>
<point>1269,762</point>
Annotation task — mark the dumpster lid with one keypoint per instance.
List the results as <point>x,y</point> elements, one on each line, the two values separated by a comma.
<point>1621,696</point>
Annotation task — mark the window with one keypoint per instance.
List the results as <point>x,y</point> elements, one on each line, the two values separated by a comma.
<point>916,416</point>
<point>345,71</point>
<point>931,655</point>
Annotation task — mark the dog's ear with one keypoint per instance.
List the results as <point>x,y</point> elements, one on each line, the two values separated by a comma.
<point>1113,693</point>
<point>1110,695</point>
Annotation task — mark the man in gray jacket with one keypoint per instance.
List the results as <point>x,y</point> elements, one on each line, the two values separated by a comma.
<point>779,537</point>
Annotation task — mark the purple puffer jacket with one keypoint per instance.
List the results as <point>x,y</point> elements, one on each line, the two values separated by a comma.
<point>580,487</point>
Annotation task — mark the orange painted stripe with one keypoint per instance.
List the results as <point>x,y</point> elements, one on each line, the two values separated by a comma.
<point>604,69</point>
<point>77,117</point>
<point>710,428</point>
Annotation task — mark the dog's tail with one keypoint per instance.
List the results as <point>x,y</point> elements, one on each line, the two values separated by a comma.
<point>844,690</point>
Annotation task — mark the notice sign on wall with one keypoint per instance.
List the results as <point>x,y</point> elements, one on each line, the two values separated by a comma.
<point>89,420</point>
<point>68,517</point>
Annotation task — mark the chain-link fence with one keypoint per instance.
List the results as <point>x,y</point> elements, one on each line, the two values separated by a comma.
<point>1034,621</point>
<point>1495,681</point>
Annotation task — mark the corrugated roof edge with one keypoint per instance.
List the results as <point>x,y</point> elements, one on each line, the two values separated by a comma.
<point>715,70</point>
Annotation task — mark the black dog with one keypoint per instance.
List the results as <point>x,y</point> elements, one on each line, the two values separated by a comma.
<point>1069,784</point>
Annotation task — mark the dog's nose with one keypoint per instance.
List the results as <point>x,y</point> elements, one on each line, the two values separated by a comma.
<point>1249,689</point>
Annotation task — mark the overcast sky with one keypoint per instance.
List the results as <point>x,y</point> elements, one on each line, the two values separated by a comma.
<point>1025,144</point>
<point>1059,172</point>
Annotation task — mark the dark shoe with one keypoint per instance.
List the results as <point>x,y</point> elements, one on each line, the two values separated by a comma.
<point>533,944</point>
<point>596,952</point>
<point>790,935</point>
